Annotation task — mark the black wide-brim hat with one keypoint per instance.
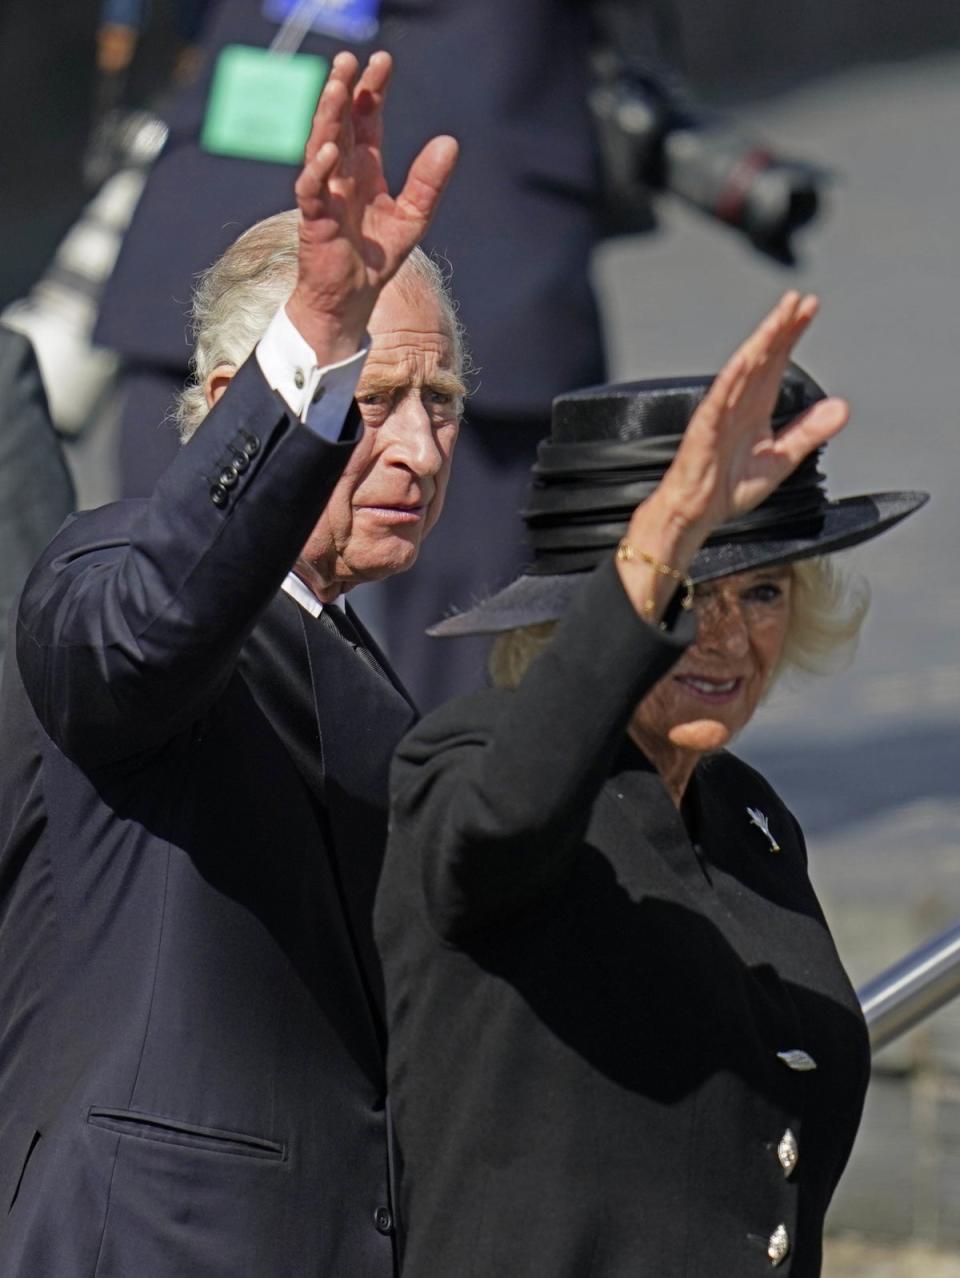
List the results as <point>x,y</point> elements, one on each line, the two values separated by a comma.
<point>609,448</point>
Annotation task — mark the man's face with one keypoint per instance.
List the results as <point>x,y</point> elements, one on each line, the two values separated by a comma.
<point>391,492</point>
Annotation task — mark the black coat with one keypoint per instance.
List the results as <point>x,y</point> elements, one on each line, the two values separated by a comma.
<point>592,1002</point>
<point>192,816</point>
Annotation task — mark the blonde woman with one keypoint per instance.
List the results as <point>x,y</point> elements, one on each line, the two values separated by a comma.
<point>621,1039</point>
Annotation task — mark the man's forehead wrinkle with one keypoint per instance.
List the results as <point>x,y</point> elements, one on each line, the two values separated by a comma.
<point>428,338</point>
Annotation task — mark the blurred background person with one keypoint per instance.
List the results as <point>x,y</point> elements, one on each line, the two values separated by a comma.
<point>531,200</point>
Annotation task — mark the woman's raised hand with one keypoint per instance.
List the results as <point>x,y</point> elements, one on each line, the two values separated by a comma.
<point>729,459</point>
<point>353,234</point>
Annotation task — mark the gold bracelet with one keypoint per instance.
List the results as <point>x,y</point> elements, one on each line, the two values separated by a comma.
<point>626,553</point>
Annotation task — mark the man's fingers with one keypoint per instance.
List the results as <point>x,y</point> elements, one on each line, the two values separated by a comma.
<point>311,185</point>
<point>429,174</point>
<point>328,117</point>
<point>368,100</point>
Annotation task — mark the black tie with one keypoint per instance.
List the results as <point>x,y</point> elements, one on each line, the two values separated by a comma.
<point>337,619</point>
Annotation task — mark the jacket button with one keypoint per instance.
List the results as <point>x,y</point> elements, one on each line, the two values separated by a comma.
<point>240,462</point>
<point>251,445</point>
<point>218,495</point>
<point>383,1220</point>
<point>228,476</point>
<point>778,1246</point>
<point>788,1152</point>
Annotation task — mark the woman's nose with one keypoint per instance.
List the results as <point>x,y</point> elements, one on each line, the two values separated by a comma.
<point>721,625</point>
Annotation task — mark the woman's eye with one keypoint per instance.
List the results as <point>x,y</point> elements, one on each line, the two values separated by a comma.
<point>764,592</point>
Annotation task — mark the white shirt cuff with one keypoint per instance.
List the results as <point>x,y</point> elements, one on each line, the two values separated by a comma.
<point>319,397</point>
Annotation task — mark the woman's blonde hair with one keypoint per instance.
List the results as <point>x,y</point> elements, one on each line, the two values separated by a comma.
<point>237,297</point>
<point>827,610</point>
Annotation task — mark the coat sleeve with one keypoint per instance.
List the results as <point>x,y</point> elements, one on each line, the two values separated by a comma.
<point>132,620</point>
<point>492,795</point>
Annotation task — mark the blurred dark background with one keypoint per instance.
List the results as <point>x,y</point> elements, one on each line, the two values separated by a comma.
<point>734,51</point>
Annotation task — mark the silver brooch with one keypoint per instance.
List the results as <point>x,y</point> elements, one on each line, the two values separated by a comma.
<point>796,1058</point>
<point>760,821</point>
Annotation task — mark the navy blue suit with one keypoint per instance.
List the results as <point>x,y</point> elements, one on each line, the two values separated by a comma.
<point>192,782</point>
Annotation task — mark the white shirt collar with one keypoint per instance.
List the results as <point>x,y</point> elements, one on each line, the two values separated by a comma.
<point>304,596</point>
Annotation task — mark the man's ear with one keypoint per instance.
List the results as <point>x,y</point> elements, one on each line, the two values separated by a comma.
<point>217,383</point>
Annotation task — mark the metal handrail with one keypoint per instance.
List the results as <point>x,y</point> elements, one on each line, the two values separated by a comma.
<point>912,988</point>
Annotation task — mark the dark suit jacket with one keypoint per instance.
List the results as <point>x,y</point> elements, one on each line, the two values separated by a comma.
<point>588,996</point>
<point>36,492</point>
<point>191,824</point>
<point>518,222</point>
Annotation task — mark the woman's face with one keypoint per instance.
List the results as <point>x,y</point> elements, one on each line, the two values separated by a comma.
<point>712,692</point>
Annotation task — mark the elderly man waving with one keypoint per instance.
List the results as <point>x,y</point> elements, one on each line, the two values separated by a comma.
<point>194,739</point>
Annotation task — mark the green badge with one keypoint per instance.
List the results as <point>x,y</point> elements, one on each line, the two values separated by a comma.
<point>261,103</point>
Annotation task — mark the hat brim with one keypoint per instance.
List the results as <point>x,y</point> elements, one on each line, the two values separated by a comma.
<point>535,598</point>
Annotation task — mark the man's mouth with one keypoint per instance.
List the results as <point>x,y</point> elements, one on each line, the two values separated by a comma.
<point>715,691</point>
<point>398,513</point>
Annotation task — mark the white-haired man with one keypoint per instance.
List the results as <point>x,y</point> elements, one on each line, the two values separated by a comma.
<point>193,749</point>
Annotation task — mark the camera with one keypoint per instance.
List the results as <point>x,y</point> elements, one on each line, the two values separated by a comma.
<point>652,139</point>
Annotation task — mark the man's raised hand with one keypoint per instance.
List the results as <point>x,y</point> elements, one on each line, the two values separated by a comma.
<point>353,234</point>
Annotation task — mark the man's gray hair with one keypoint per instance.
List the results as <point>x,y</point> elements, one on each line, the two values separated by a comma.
<point>237,297</point>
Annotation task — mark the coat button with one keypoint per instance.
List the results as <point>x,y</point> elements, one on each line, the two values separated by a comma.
<point>383,1220</point>
<point>218,495</point>
<point>778,1246</point>
<point>251,445</point>
<point>228,476</point>
<point>788,1152</point>
<point>240,462</point>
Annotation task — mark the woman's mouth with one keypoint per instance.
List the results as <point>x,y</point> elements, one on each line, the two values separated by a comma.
<point>714,691</point>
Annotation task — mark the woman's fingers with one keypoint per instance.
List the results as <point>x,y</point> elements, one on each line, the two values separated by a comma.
<point>811,430</point>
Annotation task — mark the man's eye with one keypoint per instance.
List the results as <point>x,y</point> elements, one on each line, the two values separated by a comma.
<point>375,399</point>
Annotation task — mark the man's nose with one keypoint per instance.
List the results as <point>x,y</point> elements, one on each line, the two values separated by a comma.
<point>722,625</point>
<point>414,438</point>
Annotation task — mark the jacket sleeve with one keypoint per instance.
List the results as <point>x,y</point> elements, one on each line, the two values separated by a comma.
<point>492,795</point>
<point>132,620</point>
